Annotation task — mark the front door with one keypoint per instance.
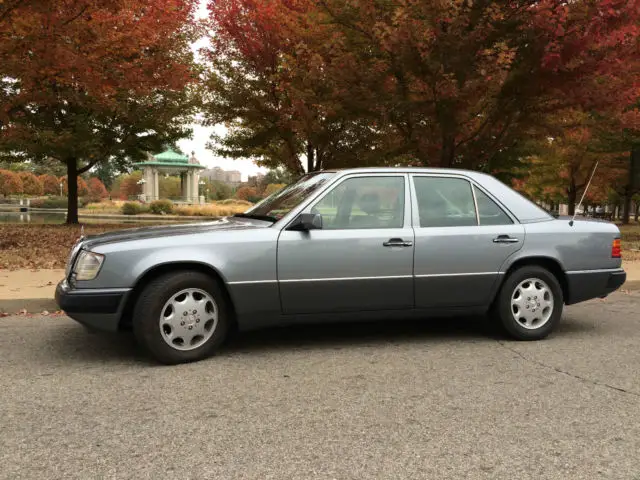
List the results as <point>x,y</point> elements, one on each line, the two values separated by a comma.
<point>361,259</point>
<point>462,238</point>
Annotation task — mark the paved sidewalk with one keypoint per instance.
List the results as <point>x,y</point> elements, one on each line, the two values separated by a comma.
<point>31,290</point>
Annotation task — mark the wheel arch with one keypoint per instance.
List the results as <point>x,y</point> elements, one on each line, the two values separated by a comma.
<point>168,267</point>
<point>549,263</point>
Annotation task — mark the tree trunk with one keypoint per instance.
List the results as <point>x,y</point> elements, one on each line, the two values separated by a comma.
<point>72,188</point>
<point>310,158</point>
<point>637,211</point>
<point>626,207</point>
<point>447,154</point>
<point>571,201</point>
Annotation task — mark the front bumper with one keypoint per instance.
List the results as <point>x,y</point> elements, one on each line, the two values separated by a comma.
<point>99,309</point>
<point>586,285</point>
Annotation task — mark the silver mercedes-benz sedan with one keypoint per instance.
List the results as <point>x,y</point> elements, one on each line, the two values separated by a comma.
<point>341,245</point>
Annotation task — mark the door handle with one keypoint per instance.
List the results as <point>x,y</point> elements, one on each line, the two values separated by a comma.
<point>505,239</point>
<point>397,242</point>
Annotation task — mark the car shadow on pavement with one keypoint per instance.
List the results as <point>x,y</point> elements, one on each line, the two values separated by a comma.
<point>76,344</point>
<point>345,334</point>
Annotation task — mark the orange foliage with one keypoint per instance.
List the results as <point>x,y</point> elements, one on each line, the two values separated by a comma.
<point>10,183</point>
<point>50,184</point>
<point>31,185</point>
<point>82,186</point>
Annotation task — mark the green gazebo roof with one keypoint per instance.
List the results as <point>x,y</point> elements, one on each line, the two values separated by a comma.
<point>169,158</point>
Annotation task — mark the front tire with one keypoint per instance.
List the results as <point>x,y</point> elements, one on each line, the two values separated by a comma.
<point>181,317</point>
<point>530,302</point>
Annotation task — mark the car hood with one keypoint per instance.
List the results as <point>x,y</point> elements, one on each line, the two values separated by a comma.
<point>130,234</point>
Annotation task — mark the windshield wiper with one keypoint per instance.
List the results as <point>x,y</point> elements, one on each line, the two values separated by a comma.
<point>268,218</point>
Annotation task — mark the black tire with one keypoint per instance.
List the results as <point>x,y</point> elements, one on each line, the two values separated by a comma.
<point>503,309</point>
<point>148,308</point>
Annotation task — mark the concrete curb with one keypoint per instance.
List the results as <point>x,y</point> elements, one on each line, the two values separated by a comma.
<point>31,305</point>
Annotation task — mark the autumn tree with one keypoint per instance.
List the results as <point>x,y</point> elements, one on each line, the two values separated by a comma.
<point>127,186</point>
<point>456,84</point>
<point>91,81</point>
<point>50,184</point>
<point>10,183</point>
<point>31,185</point>
<point>96,190</point>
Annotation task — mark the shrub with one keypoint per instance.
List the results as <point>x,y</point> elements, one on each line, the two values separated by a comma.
<point>132,208</point>
<point>51,202</point>
<point>161,207</point>
<point>234,201</point>
<point>209,210</point>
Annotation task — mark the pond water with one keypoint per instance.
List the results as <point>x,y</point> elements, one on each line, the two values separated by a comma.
<point>60,217</point>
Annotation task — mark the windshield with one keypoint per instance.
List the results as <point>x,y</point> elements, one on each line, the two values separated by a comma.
<point>280,203</point>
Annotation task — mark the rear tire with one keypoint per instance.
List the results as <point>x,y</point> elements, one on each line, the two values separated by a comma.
<point>181,317</point>
<point>530,303</point>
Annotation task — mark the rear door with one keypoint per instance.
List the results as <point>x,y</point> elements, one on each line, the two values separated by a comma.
<point>463,236</point>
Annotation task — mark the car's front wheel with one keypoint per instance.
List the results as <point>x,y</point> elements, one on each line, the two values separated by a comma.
<point>181,317</point>
<point>530,303</point>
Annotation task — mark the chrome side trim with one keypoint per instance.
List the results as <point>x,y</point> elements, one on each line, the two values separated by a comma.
<point>458,274</point>
<point>97,291</point>
<point>389,277</point>
<point>253,282</point>
<point>337,279</point>
<point>602,270</point>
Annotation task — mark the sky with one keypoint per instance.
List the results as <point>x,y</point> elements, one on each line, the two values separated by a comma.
<point>201,134</point>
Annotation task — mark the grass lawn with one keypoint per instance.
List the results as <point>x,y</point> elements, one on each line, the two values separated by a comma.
<point>43,246</point>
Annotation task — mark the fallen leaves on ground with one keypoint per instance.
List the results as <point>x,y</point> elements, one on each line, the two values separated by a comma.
<point>42,246</point>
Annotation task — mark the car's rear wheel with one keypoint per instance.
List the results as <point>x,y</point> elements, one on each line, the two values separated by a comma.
<point>530,303</point>
<point>181,317</point>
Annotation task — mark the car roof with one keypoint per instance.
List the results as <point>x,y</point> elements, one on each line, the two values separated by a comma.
<point>444,171</point>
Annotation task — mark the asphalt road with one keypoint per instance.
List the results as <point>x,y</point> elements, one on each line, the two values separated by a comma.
<point>445,399</point>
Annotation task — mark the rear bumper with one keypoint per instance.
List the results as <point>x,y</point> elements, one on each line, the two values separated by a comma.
<point>585,285</point>
<point>96,309</point>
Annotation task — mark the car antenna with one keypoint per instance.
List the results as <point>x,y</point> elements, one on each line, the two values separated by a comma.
<point>575,212</point>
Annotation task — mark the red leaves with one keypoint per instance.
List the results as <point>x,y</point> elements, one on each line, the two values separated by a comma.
<point>94,47</point>
<point>97,190</point>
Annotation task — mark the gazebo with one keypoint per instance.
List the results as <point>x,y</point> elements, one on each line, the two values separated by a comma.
<point>171,163</point>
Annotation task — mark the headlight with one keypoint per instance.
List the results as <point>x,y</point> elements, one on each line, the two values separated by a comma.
<point>88,265</point>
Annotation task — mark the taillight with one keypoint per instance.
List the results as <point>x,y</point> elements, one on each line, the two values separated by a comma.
<point>616,250</point>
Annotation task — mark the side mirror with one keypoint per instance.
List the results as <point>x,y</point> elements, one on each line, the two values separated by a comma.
<point>307,221</point>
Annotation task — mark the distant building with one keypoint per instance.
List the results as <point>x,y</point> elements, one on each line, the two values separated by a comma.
<point>230,177</point>
<point>255,180</point>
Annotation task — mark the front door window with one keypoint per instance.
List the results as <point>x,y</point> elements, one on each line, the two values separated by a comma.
<point>363,202</point>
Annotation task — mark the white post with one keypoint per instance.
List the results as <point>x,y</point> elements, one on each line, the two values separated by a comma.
<point>156,186</point>
<point>196,187</point>
<point>189,186</point>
